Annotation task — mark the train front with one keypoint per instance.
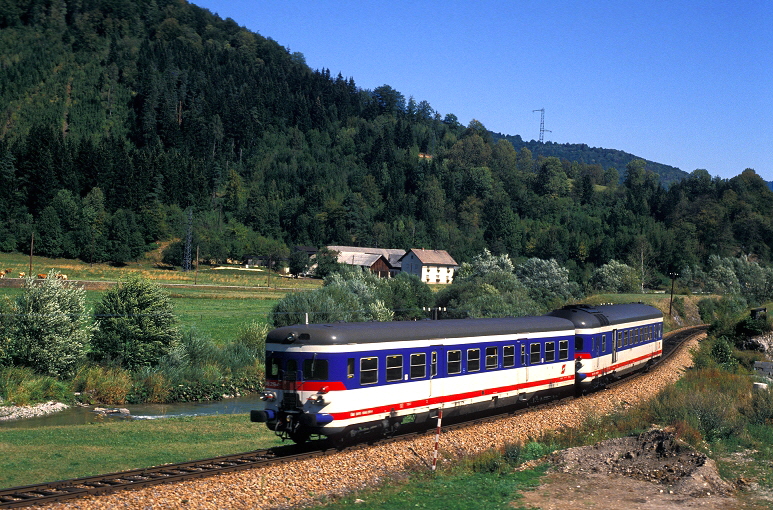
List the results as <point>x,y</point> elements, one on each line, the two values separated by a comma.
<point>299,380</point>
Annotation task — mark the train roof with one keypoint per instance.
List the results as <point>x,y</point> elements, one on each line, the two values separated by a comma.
<point>590,316</point>
<point>342,333</point>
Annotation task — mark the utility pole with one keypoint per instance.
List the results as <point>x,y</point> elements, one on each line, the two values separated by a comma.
<point>542,125</point>
<point>673,276</point>
<point>188,242</point>
<point>32,245</point>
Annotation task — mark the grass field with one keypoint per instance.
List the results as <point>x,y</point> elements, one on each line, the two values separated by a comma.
<point>231,275</point>
<point>43,454</point>
<point>217,302</point>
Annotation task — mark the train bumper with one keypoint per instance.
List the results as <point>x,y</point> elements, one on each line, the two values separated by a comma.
<point>262,416</point>
<point>316,419</point>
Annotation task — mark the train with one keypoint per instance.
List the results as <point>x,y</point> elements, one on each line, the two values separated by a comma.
<point>343,381</point>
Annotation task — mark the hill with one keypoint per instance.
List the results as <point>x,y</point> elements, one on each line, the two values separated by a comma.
<point>582,153</point>
<point>126,122</point>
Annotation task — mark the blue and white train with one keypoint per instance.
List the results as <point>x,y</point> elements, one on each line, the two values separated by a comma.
<point>346,379</point>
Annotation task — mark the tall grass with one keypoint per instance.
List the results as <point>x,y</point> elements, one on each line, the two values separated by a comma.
<point>104,385</point>
<point>22,386</point>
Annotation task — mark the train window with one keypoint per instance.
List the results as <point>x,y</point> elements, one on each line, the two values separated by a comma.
<point>578,343</point>
<point>619,339</point>
<point>433,364</point>
<point>394,368</point>
<point>508,356</point>
<point>315,369</point>
<point>563,349</point>
<point>350,368</point>
<point>291,370</point>
<point>418,366</point>
<point>534,354</point>
<point>473,360</point>
<point>523,355</point>
<point>368,370</point>
<point>272,367</point>
<point>492,358</point>
<point>603,343</point>
<point>454,362</point>
<point>550,352</point>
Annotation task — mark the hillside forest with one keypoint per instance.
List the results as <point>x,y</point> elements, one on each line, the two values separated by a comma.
<point>128,122</point>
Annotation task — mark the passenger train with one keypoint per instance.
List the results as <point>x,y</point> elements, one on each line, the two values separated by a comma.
<point>343,380</point>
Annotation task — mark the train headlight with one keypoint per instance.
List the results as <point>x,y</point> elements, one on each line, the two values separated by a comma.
<point>318,399</point>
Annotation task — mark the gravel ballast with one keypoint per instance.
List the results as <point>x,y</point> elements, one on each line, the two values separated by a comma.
<point>304,482</point>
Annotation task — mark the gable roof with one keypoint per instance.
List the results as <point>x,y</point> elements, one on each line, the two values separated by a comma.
<point>358,259</point>
<point>392,256</point>
<point>434,257</point>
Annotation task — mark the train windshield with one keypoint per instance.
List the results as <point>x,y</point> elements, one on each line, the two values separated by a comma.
<point>272,368</point>
<point>315,369</point>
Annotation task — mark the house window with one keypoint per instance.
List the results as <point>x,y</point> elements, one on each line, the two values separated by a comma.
<point>454,362</point>
<point>394,368</point>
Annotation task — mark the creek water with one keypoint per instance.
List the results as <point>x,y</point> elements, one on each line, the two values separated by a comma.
<point>83,415</point>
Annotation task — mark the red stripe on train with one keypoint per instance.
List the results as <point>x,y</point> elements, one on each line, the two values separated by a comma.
<point>447,399</point>
<point>620,365</point>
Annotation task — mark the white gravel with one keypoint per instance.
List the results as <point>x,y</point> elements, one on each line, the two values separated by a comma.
<point>304,482</point>
<point>21,412</point>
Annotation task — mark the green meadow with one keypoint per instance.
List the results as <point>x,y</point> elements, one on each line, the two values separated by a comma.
<point>34,455</point>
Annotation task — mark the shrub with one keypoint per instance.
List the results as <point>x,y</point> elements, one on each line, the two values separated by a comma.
<point>149,386</point>
<point>49,329</point>
<point>22,386</point>
<point>104,385</point>
<point>136,325</point>
<point>759,411</point>
<point>253,336</point>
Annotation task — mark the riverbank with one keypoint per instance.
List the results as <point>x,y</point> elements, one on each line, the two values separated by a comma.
<point>19,412</point>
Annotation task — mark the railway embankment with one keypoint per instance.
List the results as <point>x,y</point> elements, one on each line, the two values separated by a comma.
<point>303,482</point>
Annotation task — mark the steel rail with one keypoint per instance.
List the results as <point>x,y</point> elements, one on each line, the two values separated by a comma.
<point>28,495</point>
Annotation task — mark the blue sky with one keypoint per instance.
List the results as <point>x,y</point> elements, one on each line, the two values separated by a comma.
<point>684,83</point>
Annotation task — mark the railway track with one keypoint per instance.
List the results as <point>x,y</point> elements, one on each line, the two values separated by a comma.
<point>50,492</point>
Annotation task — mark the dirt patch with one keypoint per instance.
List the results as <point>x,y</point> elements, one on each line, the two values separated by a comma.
<point>653,471</point>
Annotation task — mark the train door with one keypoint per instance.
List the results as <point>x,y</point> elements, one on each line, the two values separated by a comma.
<point>435,375</point>
<point>615,342</point>
<point>522,347</point>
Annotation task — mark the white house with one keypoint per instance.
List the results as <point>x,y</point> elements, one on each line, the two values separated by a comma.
<point>432,266</point>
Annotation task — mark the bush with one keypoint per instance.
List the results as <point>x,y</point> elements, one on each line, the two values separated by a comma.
<point>149,386</point>
<point>49,328</point>
<point>136,324</point>
<point>104,385</point>
<point>22,386</point>
<point>759,411</point>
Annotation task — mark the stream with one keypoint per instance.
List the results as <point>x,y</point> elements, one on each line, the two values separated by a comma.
<point>83,415</point>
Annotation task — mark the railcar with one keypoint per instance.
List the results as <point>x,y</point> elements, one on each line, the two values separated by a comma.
<point>612,341</point>
<point>346,379</point>
<point>343,380</point>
